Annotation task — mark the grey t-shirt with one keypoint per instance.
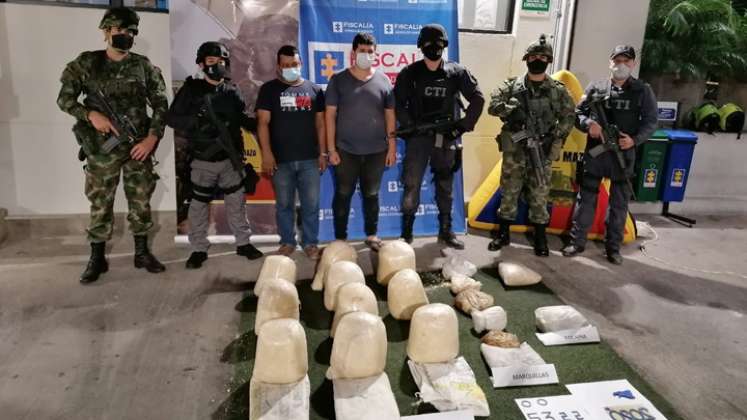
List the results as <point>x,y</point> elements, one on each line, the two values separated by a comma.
<point>360,128</point>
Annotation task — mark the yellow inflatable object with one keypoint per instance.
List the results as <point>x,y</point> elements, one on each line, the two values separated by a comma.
<point>483,207</point>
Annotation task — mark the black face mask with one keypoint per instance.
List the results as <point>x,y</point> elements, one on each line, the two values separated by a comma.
<point>216,72</point>
<point>537,66</point>
<point>122,42</point>
<point>432,52</point>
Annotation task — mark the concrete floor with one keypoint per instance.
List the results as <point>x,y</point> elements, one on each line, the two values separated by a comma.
<point>142,346</point>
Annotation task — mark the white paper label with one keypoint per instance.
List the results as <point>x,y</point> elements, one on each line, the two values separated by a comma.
<point>614,400</point>
<point>449,415</point>
<point>561,407</point>
<point>288,101</point>
<point>524,375</point>
<point>588,334</point>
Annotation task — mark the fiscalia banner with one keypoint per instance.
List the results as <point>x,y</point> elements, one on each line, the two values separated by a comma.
<point>326,31</point>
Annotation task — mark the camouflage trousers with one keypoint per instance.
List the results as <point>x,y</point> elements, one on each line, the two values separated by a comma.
<point>516,176</point>
<point>102,177</point>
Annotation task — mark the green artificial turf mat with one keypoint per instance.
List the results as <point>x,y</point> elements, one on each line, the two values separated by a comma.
<point>574,364</point>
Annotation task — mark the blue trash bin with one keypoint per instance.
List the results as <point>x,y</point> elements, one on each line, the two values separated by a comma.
<point>679,157</point>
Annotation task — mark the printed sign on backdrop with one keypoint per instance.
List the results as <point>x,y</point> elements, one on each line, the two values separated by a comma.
<point>326,30</point>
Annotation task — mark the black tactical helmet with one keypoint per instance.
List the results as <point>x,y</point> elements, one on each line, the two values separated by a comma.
<point>212,49</point>
<point>121,17</point>
<point>539,47</point>
<point>431,33</point>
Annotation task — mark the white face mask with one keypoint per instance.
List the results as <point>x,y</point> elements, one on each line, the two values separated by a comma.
<point>620,71</point>
<point>364,60</point>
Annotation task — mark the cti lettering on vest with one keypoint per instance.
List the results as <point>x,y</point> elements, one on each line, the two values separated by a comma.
<point>618,104</point>
<point>435,92</point>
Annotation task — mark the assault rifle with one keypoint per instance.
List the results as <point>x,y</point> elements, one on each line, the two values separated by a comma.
<point>439,127</point>
<point>224,138</point>
<point>610,136</point>
<point>250,177</point>
<point>533,135</point>
<point>120,122</point>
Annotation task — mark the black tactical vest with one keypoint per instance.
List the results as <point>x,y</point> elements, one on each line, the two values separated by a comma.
<point>624,106</point>
<point>437,92</point>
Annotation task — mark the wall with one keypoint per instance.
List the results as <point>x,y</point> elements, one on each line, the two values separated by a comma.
<point>39,171</point>
<point>492,58</point>
<point>600,26</point>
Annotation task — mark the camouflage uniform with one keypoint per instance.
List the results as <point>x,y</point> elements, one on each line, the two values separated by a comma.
<point>552,113</point>
<point>129,86</point>
<point>552,104</point>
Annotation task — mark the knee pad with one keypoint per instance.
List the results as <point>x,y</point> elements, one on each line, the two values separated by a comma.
<point>202,194</point>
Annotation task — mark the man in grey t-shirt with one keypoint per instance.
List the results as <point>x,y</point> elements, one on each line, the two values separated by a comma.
<point>360,125</point>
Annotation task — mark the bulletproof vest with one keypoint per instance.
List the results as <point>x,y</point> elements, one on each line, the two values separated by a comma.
<point>540,101</point>
<point>126,93</point>
<point>624,106</point>
<point>436,92</point>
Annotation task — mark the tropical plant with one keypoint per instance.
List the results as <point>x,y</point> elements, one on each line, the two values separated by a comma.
<point>695,39</point>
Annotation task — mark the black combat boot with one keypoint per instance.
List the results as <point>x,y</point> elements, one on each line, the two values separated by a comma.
<point>445,235</point>
<point>540,241</point>
<point>249,251</point>
<point>614,256</point>
<point>196,259</point>
<point>97,264</point>
<point>504,236</point>
<point>407,222</point>
<point>572,250</point>
<point>143,257</point>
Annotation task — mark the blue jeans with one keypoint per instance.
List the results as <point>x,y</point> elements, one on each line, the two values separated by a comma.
<point>302,176</point>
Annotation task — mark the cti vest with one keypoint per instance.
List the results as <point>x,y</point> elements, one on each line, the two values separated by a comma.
<point>437,97</point>
<point>623,108</point>
<point>624,105</point>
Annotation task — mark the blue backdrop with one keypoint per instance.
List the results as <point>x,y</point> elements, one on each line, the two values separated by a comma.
<point>326,32</point>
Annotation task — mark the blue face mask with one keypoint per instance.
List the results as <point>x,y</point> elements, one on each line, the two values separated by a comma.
<point>291,74</point>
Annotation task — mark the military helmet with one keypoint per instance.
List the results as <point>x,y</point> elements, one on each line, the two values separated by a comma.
<point>212,49</point>
<point>121,17</point>
<point>431,33</point>
<point>539,47</point>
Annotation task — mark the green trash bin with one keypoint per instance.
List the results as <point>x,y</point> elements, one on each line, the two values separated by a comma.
<point>650,167</point>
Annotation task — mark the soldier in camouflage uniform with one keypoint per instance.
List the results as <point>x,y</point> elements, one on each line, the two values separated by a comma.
<point>553,109</point>
<point>129,82</point>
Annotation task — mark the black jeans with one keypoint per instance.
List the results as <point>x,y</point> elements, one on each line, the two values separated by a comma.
<point>352,168</point>
<point>419,151</point>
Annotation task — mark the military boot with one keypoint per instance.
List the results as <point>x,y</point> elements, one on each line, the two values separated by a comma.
<point>97,264</point>
<point>504,236</point>
<point>540,241</point>
<point>249,251</point>
<point>445,235</point>
<point>407,222</point>
<point>196,259</point>
<point>572,250</point>
<point>143,257</point>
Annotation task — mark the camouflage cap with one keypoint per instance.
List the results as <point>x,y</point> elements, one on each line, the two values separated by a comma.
<point>539,47</point>
<point>121,17</point>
